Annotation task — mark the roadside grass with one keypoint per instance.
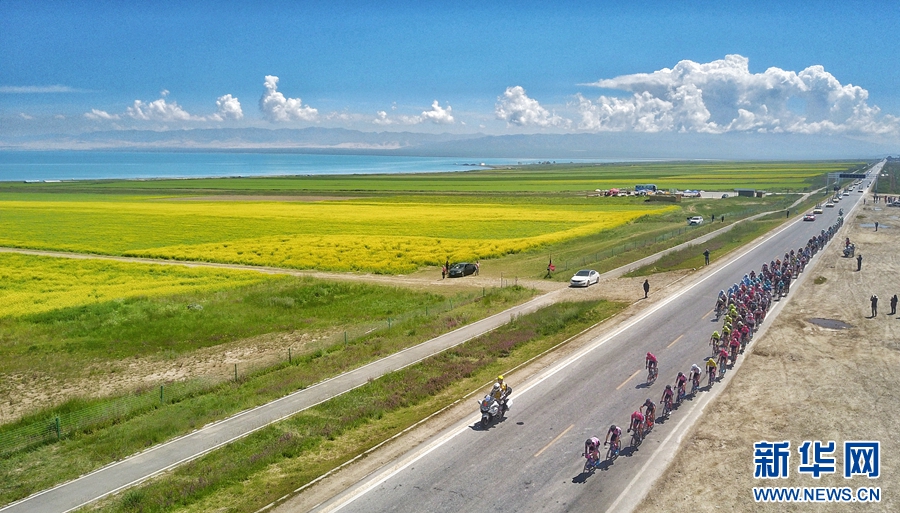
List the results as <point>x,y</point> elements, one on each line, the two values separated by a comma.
<point>692,257</point>
<point>29,471</point>
<point>889,184</point>
<point>643,237</point>
<point>255,471</point>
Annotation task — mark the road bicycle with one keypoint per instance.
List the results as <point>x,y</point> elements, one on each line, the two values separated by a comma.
<point>613,451</point>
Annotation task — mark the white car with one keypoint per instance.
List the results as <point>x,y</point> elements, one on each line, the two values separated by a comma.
<point>694,221</point>
<point>585,278</point>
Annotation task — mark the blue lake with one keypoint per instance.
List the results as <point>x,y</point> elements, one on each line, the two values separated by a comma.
<point>94,165</point>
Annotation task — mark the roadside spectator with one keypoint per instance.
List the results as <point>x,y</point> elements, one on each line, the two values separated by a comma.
<point>788,213</point>
<point>706,256</point>
<point>859,262</point>
<point>723,218</point>
<point>874,301</point>
<point>876,226</point>
<point>646,288</point>
<point>894,304</point>
<point>443,271</point>
<point>477,267</point>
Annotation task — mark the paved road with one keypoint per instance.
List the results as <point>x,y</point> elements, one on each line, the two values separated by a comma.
<point>133,470</point>
<point>532,461</point>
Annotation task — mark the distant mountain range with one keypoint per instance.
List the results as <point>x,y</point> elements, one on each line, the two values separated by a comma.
<point>607,145</point>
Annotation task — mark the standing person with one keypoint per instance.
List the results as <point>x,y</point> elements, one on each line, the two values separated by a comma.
<point>477,267</point>
<point>646,288</point>
<point>443,271</point>
<point>706,256</point>
<point>859,262</point>
<point>894,304</point>
<point>876,226</point>
<point>723,218</point>
<point>788,213</point>
<point>874,301</point>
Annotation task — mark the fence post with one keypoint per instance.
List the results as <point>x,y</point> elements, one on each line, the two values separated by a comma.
<point>289,356</point>
<point>389,323</point>
<point>451,303</point>
<point>345,338</point>
<point>161,397</point>
<point>235,372</point>
<point>58,431</point>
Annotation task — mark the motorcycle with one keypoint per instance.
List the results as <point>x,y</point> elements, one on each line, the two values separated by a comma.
<point>492,409</point>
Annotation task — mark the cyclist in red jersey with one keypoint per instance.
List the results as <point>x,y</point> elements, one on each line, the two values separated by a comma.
<point>637,422</point>
<point>651,361</point>
<point>667,396</point>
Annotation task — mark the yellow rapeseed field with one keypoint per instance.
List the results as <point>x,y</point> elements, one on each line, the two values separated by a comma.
<point>33,284</point>
<point>382,236</point>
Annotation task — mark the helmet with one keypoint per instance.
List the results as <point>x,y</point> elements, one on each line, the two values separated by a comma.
<point>648,401</point>
<point>680,374</point>
<point>612,428</point>
<point>496,386</point>
<point>649,354</point>
<point>668,387</point>
<point>499,378</point>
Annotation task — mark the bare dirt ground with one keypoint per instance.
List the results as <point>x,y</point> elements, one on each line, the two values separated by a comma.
<point>801,382</point>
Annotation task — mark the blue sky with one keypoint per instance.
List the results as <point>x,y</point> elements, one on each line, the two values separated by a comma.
<point>462,67</point>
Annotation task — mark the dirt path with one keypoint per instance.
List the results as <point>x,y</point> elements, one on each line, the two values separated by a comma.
<point>801,382</point>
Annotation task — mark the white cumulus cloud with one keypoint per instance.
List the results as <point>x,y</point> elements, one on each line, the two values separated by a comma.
<point>98,115</point>
<point>276,108</point>
<point>516,108</point>
<point>723,95</point>
<point>159,110</point>
<point>228,108</point>
<point>438,115</point>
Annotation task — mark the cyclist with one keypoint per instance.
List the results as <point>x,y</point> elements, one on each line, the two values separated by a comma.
<point>735,346</point>
<point>651,363</point>
<point>612,436</point>
<point>649,413</point>
<point>592,449</point>
<point>667,398</point>
<point>711,369</point>
<point>695,375</point>
<point>714,340</point>
<point>637,424</point>
<point>723,358</point>
<point>680,384</point>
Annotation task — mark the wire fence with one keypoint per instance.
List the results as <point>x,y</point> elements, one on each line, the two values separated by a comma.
<point>58,424</point>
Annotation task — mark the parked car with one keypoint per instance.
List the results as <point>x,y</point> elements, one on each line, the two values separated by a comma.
<point>461,269</point>
<point>809,217</point>
<point>585,278</point>
<point>694,221</point>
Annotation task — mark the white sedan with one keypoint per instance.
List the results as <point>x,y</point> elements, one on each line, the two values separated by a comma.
<point>585,278</point>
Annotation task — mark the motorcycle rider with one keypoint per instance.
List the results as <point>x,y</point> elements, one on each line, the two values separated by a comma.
<point>501,392</point>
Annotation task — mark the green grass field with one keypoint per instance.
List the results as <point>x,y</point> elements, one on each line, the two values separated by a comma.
<point>559,178</point>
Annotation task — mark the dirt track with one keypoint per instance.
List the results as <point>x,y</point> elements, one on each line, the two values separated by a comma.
<point>802,382</point>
